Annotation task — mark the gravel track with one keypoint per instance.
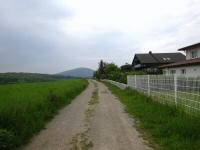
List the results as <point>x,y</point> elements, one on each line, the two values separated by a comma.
<point>94,120</point>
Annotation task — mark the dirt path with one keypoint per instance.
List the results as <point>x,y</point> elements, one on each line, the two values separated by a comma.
<point>95,120</point>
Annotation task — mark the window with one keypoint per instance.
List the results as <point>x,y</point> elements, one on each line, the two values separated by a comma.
<point>164,59</point>
<point>172,71</point>
<point>167,58</point>
<point>183,71</point>
<point>194,54</point>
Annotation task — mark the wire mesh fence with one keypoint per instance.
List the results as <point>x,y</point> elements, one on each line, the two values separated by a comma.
<point>179,91</point>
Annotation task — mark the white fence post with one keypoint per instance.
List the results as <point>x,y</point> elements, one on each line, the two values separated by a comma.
<point>135,81</point>
<point>148,85</point>
<point>175,89</point>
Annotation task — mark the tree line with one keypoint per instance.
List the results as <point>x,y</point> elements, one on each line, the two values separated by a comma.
<point>113,72</point>
<point>7,78</point>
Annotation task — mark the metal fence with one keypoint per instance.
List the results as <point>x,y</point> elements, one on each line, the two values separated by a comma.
<point>179,91</point>
<point>118,84</point>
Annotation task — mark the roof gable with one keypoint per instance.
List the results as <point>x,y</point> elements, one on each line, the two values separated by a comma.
<point>145,58</point>
<point>169,57</point>
<point>190,47</point>
<point>152,58</point>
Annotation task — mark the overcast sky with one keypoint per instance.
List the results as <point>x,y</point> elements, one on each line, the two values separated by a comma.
<point>50,36</point>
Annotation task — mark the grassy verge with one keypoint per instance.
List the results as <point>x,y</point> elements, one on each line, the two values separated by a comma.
<point>24,108</point>
<point>95,96</point>
<point>163,125</point>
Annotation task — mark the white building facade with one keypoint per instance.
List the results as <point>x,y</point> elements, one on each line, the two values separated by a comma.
<point>188,68</point>
<point>193,53</point>
<point>187,71</point>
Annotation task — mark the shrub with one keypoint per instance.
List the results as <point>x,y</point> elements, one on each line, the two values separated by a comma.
<point>6,139</point>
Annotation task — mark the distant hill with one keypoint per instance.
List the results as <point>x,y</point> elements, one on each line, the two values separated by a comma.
<point>78,72</point>
<point>13,77</point>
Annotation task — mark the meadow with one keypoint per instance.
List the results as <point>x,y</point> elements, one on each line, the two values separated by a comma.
<point>26,107</point>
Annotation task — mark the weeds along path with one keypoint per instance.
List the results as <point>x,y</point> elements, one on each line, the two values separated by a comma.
<point>95,120</point>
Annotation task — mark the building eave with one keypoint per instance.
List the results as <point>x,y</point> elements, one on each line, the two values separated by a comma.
<point>189,47</point>
<point>190,62</point>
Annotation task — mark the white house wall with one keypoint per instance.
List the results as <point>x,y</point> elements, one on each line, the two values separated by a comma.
<point>189,55</point>
<point>191,71</point>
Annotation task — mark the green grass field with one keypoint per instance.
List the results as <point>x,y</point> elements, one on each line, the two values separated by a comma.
<point>164,126</point>
<point>26,107</point>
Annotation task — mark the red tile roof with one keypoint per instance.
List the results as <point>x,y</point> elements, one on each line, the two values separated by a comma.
<point>189,62</point>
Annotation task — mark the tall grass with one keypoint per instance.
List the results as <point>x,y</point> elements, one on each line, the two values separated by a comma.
<point>24,108</point>
<point>165,126</point>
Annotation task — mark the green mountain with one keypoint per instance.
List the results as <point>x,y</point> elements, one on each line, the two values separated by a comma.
<point>78,72</point>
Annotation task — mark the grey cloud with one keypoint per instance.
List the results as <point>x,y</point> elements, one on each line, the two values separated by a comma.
<point>29,33</point>
<point>31,39</point>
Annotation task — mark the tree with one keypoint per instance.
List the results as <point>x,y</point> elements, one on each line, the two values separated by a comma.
<point>126,68</point>
<point>101,67</point>
<point>100,73</point>
<point>113,72</point>
<point>109,68</point>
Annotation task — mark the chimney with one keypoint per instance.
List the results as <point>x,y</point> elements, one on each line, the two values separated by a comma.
<point>150,53</point>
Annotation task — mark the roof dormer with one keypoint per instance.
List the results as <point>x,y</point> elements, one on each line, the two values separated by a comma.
<point>192,51</point>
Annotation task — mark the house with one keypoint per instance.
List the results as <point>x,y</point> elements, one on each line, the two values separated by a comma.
<point>151,61</point>
<point>189,67</point>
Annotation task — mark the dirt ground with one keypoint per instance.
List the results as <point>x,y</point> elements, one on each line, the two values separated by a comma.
<point>94,120</point>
